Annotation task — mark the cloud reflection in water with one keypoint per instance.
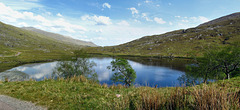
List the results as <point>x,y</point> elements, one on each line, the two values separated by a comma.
<point>146,74</point>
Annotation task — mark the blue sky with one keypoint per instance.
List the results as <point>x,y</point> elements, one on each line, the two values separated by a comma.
<point>113,22</point>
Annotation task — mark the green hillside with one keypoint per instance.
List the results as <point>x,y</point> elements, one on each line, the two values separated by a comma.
<point>181,43</point>
<point>18,46</point>
<point>61,38</point>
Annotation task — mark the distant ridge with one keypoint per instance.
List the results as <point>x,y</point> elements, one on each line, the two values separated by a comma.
<point>221,19</point>
<point>61,38</point>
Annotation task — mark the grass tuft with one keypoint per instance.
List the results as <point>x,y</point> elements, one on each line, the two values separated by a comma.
<point>79,93</point>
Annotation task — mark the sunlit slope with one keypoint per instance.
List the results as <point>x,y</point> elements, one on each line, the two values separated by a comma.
<point>19,46</point>
<point>61,38</point>
<point>13,39</point>
<point>181,43</point>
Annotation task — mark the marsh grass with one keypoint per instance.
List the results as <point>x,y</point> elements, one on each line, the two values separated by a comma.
<point>80,93</point>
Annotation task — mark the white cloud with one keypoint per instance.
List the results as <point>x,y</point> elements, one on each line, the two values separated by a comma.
<point>147,1</point>
<point>199,19</point>
<point>102,20</point>
<point>99,20</point>
<point>85,17</point>
<point>48,13</point>
<point>177,16</point>
<point>186,21</point>
<point>170,23</point>
<point>159,20</point>
<point>123,23</point>
<point>123,34</point>
<point>203,19</point>
<point>137,21</point>
<point>23,24</point>
<point>9,15</point>
<point>64,25</point>
<point>106,5</point>
<point>144,15</point>
<point>99,31</point>
<point>22,4</point>
<point>134,10</point>
<point>59,15</point>
<point>139,4</point>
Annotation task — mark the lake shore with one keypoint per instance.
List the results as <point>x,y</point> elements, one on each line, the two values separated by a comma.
<point>79,93</point>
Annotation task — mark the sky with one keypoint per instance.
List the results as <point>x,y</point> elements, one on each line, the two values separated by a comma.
<point>113,22</point>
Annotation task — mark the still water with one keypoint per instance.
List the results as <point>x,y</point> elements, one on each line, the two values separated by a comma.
<point>150,71</point>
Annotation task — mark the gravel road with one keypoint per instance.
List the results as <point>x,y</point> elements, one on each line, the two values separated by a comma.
<point>9,103</point>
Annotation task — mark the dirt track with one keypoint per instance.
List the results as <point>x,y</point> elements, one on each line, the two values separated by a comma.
<point>9,103</point>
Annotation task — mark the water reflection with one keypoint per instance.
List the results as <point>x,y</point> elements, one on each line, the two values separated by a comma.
<point>37,71</point>
<point>14,76</point>
<point>149,72</point>
<point>80,66</point>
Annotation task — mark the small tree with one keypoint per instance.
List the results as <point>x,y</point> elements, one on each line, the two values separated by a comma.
<point>123,71</point>
<point>217,63</point>
<point>81,66</point>
<point>204,68</point>
<point>228,60</point>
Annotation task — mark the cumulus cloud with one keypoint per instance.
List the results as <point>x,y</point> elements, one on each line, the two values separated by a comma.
<point>201,19</point>
<point>177,16</point>
<point>59,15</point>
<point>134,10</point>
<point>123,23</point>
<point>159,20</point>
<point>7,15</point>
<point>193,20</point>
<point>106,5</point>
<point>186,22</point>
<point>144,15</point>
<point>99,20</point>
<point>147,1</point>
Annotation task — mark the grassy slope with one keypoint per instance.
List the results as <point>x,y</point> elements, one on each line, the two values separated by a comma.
<point>33,47</point>
<point>180,43</point>
<point>61,38</point>
<point>78,93</point>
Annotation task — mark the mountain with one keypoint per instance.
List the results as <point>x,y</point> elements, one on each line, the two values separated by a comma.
<point>221,19</point>
<point>16,39</point>
<point>19,46</point>
<point>181,43</point>
<point>61,38</point>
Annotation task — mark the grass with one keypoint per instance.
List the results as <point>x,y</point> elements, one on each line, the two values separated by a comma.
<point>80,93</point>
<point>33,47</point>
<point>179,43</point>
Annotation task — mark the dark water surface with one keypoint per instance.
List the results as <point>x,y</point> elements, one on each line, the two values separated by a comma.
<point>150,71</point>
